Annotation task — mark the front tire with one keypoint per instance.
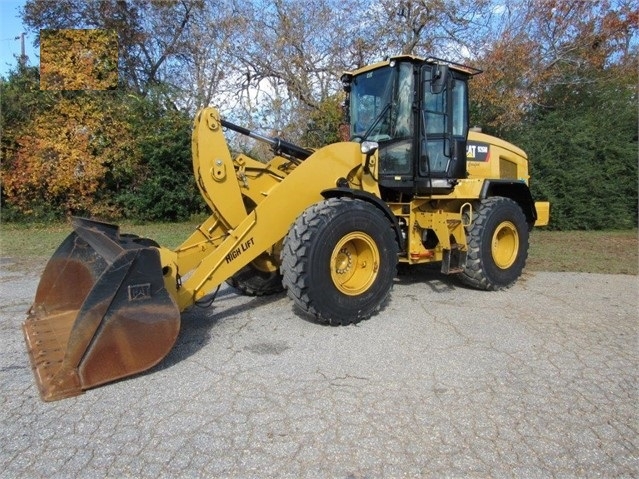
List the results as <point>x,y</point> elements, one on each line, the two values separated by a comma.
<point>497,245</point>
<point>339,260</point>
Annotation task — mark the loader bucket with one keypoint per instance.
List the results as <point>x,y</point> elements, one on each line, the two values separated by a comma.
<point>101,312</point>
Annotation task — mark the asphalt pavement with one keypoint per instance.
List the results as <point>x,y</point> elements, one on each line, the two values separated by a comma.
<point>539,381</point>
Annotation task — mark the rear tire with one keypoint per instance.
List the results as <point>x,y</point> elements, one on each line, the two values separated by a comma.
<point>497,245</point>
<point>261,277</point>
<point>256,279</point>
<point>339,260</point>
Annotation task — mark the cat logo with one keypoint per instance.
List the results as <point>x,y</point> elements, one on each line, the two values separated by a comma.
<point>476,151</point>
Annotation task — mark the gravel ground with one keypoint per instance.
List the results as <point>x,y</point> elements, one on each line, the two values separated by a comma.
<point>539,381</point>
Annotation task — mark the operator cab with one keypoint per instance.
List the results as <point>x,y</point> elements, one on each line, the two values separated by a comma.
<point>416,110</point>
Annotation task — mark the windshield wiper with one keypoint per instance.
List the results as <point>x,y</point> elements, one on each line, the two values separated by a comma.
<point>377,120</point>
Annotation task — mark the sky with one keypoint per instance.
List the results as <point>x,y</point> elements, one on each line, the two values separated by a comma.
<point>10,28</point>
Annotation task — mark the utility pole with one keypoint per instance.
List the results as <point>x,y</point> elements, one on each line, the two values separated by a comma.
<point>22,61</point>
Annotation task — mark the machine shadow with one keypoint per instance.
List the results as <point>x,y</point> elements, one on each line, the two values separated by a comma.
<point>198,322</point>
<point>427,274</point>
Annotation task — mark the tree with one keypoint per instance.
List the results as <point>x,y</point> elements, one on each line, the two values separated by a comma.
<point>274,66</point>
<point>163,187</point>
<point>107,154</point>
<point>152,34</point>
<point>21,101</point>
<point>323,125</point>
<point>78,60</point>
<point>538,44</point>
<point>584,154</point>
<point>60,160</point>
<point>288,57</point>
<point>427,27</point>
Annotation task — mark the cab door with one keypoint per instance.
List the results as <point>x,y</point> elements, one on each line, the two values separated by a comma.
<point>443,129</point>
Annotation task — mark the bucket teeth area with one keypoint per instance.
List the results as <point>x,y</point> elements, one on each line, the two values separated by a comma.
<point>47,340</point>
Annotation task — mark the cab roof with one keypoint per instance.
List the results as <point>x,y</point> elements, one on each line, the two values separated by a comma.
<point>430,60</point>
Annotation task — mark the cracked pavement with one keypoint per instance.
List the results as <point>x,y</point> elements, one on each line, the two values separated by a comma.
<point>539,381</point>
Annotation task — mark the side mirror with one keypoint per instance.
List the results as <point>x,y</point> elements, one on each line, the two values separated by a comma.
<point>346,82</point>
<point>439,77</point>
<point>368,148</point>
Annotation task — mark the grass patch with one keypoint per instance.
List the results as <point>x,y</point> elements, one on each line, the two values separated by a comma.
<point>612,252</point>
<point>39,241</point>
<point>31,240</point>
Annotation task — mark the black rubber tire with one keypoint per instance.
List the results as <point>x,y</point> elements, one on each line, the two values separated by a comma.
<point>494,217</point>
<point>359,234</point>
<point>252,281</point>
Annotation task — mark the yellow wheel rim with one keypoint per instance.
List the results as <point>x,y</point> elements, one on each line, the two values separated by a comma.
<point>354,263</point>
<point>505,245</point>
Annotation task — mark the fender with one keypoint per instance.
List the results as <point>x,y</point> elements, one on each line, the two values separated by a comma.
<point>515,190</point>
<point>370,198</point>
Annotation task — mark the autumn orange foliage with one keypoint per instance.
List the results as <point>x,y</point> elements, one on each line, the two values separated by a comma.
<point>78,59</point>
<point>546,43</point>
<point>65,156</point>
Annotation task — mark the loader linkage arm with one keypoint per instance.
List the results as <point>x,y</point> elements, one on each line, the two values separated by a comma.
<point>280,147</point>
<point>278,192</point>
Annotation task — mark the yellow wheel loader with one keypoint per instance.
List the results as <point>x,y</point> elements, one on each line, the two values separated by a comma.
<point>412,185</point>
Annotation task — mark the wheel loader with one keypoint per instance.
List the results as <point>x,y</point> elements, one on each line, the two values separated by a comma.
<point>411,185</point>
